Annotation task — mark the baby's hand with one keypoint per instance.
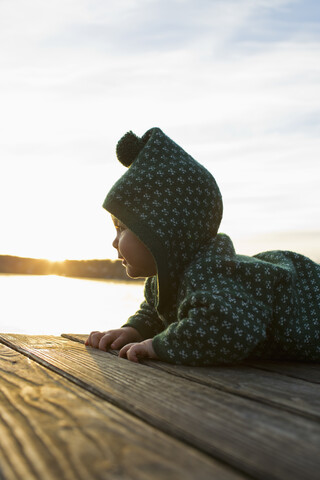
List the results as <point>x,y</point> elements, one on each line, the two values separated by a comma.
<point>114,339</point>
<point>134,351</point>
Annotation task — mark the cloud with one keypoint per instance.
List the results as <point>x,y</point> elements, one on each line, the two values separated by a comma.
<point>234,82</point>
<point>138,27</point>
<point>76,64</point>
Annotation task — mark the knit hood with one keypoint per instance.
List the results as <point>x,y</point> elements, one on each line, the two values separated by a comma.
<point>170,201</point>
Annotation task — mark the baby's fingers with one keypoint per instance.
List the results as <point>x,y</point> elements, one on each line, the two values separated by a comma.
<point>123,337</point>
<point>133,351</point>
<point>94,339</point>
<point>123,351</point>
<point>129,350</point>
<point>108,340</point>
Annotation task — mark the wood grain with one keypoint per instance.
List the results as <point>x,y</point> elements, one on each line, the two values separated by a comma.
<point>52,429</point>
<point>272,388</point>
<point>260,440</point>
<point>310,372</point>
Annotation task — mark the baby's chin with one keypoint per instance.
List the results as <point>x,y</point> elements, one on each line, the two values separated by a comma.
<point>131,271</point>
<point>135,273</point>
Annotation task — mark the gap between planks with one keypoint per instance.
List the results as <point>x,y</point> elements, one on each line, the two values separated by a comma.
<point>272,388</point>
<point>52,429</point>
<point>252,438</point>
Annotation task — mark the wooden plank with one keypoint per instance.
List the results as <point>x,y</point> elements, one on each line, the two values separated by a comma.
<point>310,372</point>
<point>76,337</point>
<point>52,429</point>
<point>285,392</point>
<point>261,441</point>
<point>291,394</point>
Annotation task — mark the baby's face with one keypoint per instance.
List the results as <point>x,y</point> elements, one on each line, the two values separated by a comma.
<point>135,256</point>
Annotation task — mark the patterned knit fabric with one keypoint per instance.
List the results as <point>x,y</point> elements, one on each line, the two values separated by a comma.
<point>208,305</point>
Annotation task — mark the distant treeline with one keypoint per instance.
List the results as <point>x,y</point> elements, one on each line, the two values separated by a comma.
<point>108,269</point>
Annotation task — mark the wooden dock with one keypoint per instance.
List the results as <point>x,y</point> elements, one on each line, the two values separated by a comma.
<point>73,412</point>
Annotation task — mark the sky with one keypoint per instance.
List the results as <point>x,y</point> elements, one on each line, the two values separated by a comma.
<point>235,82</point>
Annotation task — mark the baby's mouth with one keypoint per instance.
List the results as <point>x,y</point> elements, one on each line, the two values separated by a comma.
<point>124,262</point>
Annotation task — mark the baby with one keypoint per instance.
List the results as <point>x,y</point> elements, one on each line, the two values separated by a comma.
<point>204,304</point>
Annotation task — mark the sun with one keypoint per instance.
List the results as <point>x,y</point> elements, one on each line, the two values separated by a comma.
<point>54,257</point>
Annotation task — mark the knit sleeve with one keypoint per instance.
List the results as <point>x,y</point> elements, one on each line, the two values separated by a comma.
<point>146,320</point>
<point>212,330</point>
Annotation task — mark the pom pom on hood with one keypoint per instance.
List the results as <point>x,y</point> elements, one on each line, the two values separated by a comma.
<point>128,148</point>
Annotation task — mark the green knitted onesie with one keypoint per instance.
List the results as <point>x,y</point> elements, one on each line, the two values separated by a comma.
<point>207,305</point>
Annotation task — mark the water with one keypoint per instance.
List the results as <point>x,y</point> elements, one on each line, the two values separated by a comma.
<point>51,305</point>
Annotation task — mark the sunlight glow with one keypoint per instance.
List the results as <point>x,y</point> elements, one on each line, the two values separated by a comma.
<point>53,305</point>
<point>235,83</point>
